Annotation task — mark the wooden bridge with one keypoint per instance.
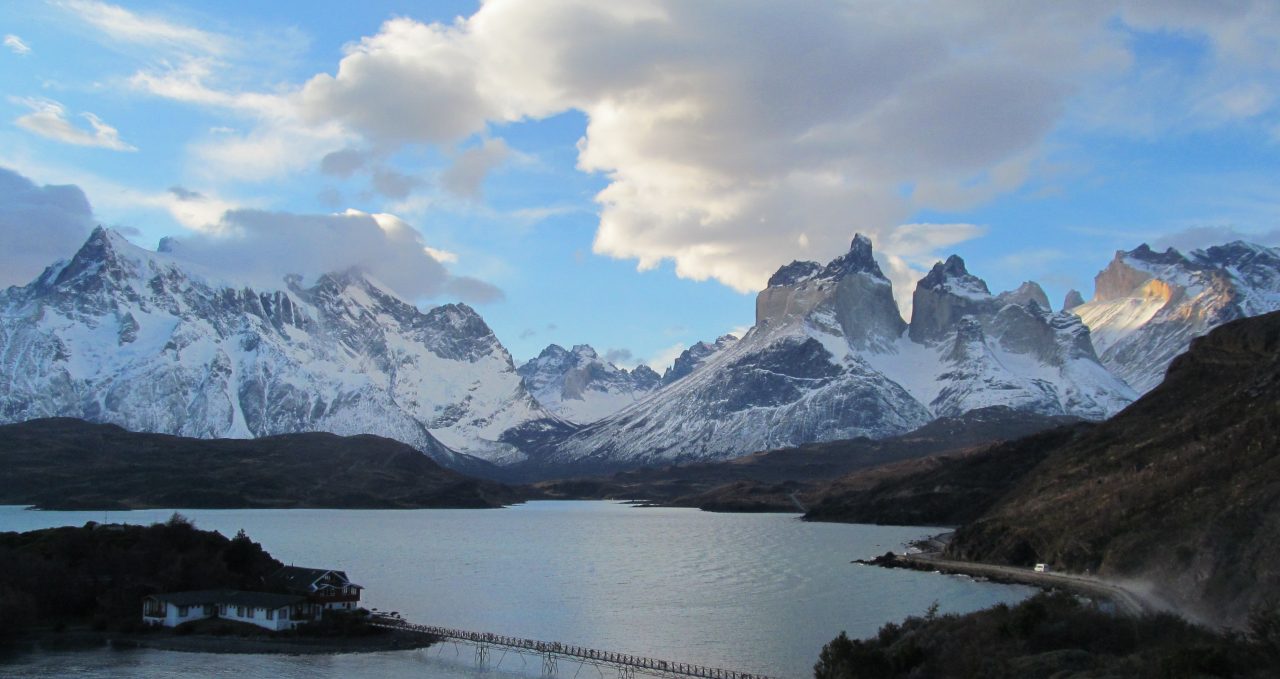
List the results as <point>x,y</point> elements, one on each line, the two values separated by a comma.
<point>552,652</point>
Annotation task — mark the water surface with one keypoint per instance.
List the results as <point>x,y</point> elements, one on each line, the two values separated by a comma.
<point>756,592</point>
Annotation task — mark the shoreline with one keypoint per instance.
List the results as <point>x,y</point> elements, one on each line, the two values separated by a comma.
<point>82,639</point>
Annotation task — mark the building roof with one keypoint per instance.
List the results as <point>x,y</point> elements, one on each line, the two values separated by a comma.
<point>230,597</point>
<point>299,579</point>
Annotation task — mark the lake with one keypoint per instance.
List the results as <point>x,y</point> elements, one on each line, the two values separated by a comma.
<point>754,592</point>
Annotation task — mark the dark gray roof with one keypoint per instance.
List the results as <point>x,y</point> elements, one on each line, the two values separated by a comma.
<point>299,579</point>
<point>230,597</point>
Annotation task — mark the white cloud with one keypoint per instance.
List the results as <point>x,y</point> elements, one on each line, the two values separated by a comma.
<point>262,246</point>
<point>16,45</point>
<point>725,131</point>
<point>466,175</point>
<point>664,358</point>
<point>48,119</point>
<point>442,256</point>
<point>38,225</point>
<point>737,135</point>
<point>126,26</point>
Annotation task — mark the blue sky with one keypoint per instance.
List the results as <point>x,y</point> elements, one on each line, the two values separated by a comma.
<point>627,174</point>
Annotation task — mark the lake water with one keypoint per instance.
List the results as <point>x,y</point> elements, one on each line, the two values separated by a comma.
<point>754,592</point>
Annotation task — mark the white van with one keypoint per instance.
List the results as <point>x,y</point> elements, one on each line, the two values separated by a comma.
<point>1042,568</point>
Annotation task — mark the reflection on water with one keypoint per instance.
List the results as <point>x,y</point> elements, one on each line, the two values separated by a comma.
<point>756,592</point>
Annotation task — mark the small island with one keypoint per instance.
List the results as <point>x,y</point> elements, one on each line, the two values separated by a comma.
<point>173,586</point>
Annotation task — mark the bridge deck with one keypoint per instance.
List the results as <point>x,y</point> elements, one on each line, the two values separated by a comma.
<point>653,666</point>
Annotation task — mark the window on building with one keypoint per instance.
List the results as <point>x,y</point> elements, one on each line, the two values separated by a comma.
<point>222,610</point>
<point>239,611</point>
<point>284,614</point>
<point>252,611</point>
<point>182,611</point>
<point>271,614</point>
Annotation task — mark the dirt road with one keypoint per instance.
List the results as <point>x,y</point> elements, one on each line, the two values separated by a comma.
<point>1126,600</point>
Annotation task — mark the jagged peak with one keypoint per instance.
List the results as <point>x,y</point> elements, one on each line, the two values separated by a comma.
<point>553,350</point>
<point>796,272</point>
<point>1144,253</point>
<point>1029,292</point>
<point>859,259</point>
<point>645,371</point>
<point>1072,300</point>
<point>585,350</point>
<point>952,276</point>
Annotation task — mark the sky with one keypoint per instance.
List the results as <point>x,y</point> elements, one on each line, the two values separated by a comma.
<point>628,175</point>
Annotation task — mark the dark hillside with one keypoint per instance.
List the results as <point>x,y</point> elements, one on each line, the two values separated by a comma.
<point>99,573</point>
<point>1182,488</point>
<point>72,464</point>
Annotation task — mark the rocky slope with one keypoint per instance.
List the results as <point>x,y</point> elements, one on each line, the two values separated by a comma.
<point>72,464</point>
<point>124,335</point>
<point>829,357</point>
<point>1181,489</point>
<point>1149,305</point>
<point>579,386</point>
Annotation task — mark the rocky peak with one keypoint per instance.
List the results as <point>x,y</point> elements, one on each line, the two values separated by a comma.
<point>585,351</point>
<point>101,258</point>
<point>945,295</point>
<point>794,273</point>
<point>952,276</point>
<point>457,332</point>
<point>645,377</point>
<point>858,259</point>
<point>694,356</point>
<point>1073,300</point>
<point>1027,293</point>
<point>1130,270</point>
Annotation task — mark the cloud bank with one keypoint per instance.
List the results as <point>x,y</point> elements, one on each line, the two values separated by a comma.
<point>38,225</point>
<point>737,134</point>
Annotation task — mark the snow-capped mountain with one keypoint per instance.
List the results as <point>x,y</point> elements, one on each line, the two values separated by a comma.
<point>124,335</point>
<point>1148,306</point>
<point>830,357</point>
<point>579,386</point>
<point>694,356</point>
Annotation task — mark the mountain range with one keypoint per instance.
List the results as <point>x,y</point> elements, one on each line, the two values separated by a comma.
<point>145,340</point>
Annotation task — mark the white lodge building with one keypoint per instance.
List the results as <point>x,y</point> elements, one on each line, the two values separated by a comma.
<point>310,592</point>
<point>275,612</point>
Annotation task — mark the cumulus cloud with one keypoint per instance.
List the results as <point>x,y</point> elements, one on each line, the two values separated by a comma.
<point>16,45</point>
<point>38,225</point>
<point>725,130</point>
<point>343,163</point>
<point>262,246</point>
<point>737,135</point>
<point>466,175</point>
<point>48,119</point>
<point>392,184</point>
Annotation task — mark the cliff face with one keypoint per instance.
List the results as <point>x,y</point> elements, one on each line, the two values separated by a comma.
<point>1181,489</point>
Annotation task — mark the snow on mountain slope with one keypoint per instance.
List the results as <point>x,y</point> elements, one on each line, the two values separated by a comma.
<point>581,387</point>
<point>1148,306</point>
<point>829,357</point>
<point>137,338</point>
